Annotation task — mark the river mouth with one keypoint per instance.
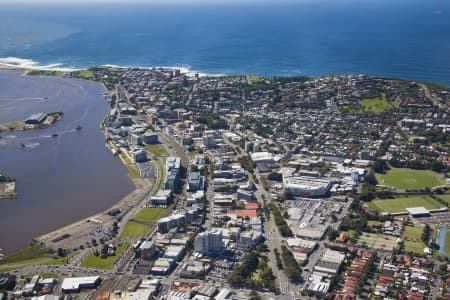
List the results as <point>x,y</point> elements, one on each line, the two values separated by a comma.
<point>63,174</point>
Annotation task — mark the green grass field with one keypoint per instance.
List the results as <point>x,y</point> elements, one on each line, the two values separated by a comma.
<point>134,229</point>
<point>400,204</point>
<point>149,214</point>
<point>157,149</point>
<point>375,105</point>
<point>409,179</point>
<point>447,243</point>
<point>254,79</point>
<point>142,221</point>
<point>97,262</point>
<point>232,78</point>
<point>369,105</point>
<point>85,74</point>
<point>28,254</point>
<point>412,239</point>
<point>445,197</point>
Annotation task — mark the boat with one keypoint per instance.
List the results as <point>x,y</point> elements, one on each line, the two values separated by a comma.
<point>22,145</point>
<point>78,127</point>
<point>54,135</point>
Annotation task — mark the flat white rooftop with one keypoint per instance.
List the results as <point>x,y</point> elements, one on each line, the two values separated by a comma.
<point>417,211</point>
<point>75,283</point>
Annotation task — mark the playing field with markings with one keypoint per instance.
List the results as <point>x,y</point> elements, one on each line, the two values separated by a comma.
<point>409,179</point>
<point>400,204</point>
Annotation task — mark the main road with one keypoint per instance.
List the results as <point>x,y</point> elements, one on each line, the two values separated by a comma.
<point>273,237</point>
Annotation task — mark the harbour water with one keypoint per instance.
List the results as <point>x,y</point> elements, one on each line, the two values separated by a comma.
<point>60,179</point>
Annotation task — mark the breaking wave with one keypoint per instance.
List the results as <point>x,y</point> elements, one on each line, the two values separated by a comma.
<point>25,63</point>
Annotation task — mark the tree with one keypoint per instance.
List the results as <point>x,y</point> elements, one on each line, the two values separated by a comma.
<point>239,276</point>
<point>255,296</point>
<point>61,252</point>
<point>380,166</point>
<point>275,177</point>
<point>443,269</point>
<point>426,233</point>
<point>262,248</point>
<point>115,228</point>
<point>292,268</point>
<point>334,217</point>
<point>332,234</point>
<point>190,243</point>
<point>371,179</point>
<point>283,227</point>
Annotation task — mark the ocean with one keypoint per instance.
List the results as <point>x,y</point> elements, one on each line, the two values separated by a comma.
<point>395,38</point>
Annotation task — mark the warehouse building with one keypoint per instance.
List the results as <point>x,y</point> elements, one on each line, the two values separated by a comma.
<point>36,118</point>
<point>75,284</point>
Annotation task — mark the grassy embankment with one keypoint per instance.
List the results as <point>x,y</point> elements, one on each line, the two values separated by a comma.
<point>133,170</point>
<point>60,260</point>
<point>42,275</point>
<point>30,254</point>
<point>161,165</point>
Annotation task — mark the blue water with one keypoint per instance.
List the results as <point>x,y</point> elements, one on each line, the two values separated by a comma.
<point>395,38</point>
<point>441,241</point>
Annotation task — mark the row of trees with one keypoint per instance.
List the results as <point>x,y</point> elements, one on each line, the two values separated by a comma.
<point>426,234</point>
<point>435,165</point>
<point>280,221</point>
<point>291,266</point>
